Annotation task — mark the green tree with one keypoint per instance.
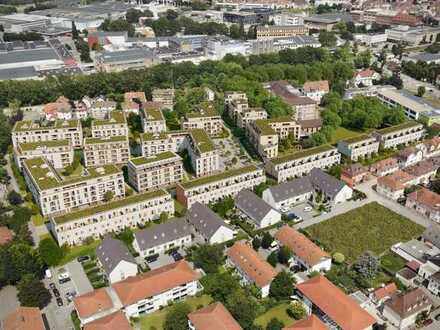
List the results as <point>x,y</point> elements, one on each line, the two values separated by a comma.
<point>327,39</point>
<point>267,240</point>
<point>108,196</point>
<point>272,258</point>
<point>32,293</point>
<point>243,308</point>
<point>421,90</point>
<point>220,285</point>
<point>275,324</point>
<point>15,198</point>
<point>163,217</point>
<point>50,252</point>
<point>21,259</point>
<point>284,255</point>
<point>296,310</point>
<point>338,258</point>
<point>256,243</point>
<point>282,286</point>
<point>206,256</point>
<point>176,318</point>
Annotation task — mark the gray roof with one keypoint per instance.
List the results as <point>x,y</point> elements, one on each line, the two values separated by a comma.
<point>28,55</point>
<point>424,57</point>
<point>162,233</point>
<point>126,55</point>
<point>204,220</point>
<point>111,252</point>
<point>326,183</point>
<point>432,234</point>
<point>252,205</point>
<point>416,249</point>
<point>18,73</point>
<point>295,187</point>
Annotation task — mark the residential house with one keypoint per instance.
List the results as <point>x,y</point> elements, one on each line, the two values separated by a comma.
<point>147,292</point>
<point>409,156</point>
<point>212,317</point>
<point>116,320</point>
<point>257,210</point>
<point>431,147</point>
<point>402,309</point>
<point>316,89</point>
<point>423,172</point>
<point>61,109</point>
<point>94,305</point>
<point>305,253</point>
<point>393,185</point>
<point>251,267</point>
<point>332,190</point>
<point>383,293</point>
<point>415,250</point>
<point>160,238</point>
<point>407,276</point>
<point>24,318</point>
<point>311,322</point>
<point>384,167</point>
<point>115,259</point>
<point>332,305</point>
<point>430,264</point>
<point>365,78</point>
<point>425,202</point>
<point>362,146</point>
<point>285,195</point>
<point>99,107</point>
<point>354,174</point>
<point>208,224</point>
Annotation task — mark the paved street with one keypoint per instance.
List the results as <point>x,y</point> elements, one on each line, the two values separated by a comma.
<point>9,301</point>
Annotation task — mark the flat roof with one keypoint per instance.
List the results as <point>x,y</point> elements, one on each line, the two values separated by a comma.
<point>116,117</point>
<point>29,55</point>
<point>28,146</point>
<point>108,206</point>
<point>158,157</point>
<point>302,154</point>
<point>29,125</point>
<point>109,139</point>
<point>396,128</point>
<point>153,114</point>
<point>201,140</point>
<point>217,177</point>
<point>405,99</point>
<point>358,138</point>
<point>46,177</point>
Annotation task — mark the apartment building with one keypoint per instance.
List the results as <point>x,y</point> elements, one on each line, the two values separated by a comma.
<point>162,169</point>
<point>26,131</point>
<point>206,119</point>
<point>152,118</point>
<point>362,146</point>
<point>235,102</point>
<point>402,134</point>
<point>58,152</point>
<point>215,187</point>
<point>202,153</point>
<point>164,96</point>
<point>281,31</point>
<point>148,292</point>
<point>106,150</point>
<point>213,316</point>
<point>250,115</point>
<point>155,143</point>
<point>302,162</point>
<point>265,134</point>
<point>54,192</point>
<point>114,125</point>
<point>75,227</point>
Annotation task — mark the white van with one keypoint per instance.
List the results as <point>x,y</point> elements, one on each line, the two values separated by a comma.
<point>48,274</point>
<point>273,246</point>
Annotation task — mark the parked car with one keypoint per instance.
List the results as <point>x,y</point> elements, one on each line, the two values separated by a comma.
<point>273,246</point>
<point>70,295</point>
<point>64,280</point>
<point>62,274</point>
<point>308,209</point>
<point>52,285</point>
<point>56,293</point>
<point>60,302</point>
<point>427,322</point>
<point>152,258</point>
<point>83,258</point>
<point>176,256</point>
<point>48,273</point>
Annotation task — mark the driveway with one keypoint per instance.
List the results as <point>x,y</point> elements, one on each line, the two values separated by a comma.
<point>9,301</point>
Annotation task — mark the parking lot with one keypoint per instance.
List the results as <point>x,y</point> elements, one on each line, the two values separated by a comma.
<point>299,211</point>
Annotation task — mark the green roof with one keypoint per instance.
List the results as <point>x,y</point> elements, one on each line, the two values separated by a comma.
<point>46,177</point>
<point>29,125</point>
<point>392,129</point>
<point>357,138</point>
<point>264,124</point>
<point>147,160</point>
<point>208,112</point>
<point>217,177</point>
<point>159,136</point>
<point>118,138</point>
<point>108,206</point>
<point>202,140</point>
<point>28,146</point>
<point>153,114</point>
<point>116,117</point>
<point>302,154</point>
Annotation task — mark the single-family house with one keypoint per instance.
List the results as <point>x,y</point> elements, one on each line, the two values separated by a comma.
<point>94,305</point>
<point>425,202</point>
<point>251,267</point>
<point>115,259</point>
<point>384,167</point>
<point>212,317</point>
<point>208,224</point>
<point>393,185</point>
<point>434,283</point>
<point>116,320</point>
<point>409,156</point>
<point>430,147</point>
<point>365,78</point>
<point>430,266</point>
<point>333,190</point>
<point>354,174</point>
<point>305,253</point>
<point>257,210</point>
<point>316,89</point>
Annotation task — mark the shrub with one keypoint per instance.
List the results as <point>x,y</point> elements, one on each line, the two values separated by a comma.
<point>338,258</point>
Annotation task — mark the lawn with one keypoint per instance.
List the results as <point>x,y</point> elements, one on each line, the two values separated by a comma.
<point>279,312</point>
<point>371,227</point>
<point>38,220</point>
<point>157,319</point>
<point>342,133</point>
<point>392,263</point>
<point>76,251</point>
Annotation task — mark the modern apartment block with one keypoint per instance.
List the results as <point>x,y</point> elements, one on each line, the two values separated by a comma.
<point>164,96</point>
<point>204,158</point>
<point>152,118</point>
<point>206,119</point>
<point>114,125</point>
<point>281,31</point>
<point>265,134</point>
<point>106,150</point>
<point>402,134</point>
<point>54,192</point>
<point>163,169</point>
<point>215,187</point>
<point>75,227</point>
<point>28,131</point>
<point>237,107</point>
<point>58,152</point>
<point>362,146</point>
<point>250,115</point>
<point>155,143</point>
<point>302,162</point>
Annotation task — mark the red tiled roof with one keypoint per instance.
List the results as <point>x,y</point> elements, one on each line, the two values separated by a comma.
<point>320,85</point>
<point>367,73</point>
<point>115,321</point>
<point>337,305</point>
<point>386,291</point>
<point>149,284</point>
<point>24,318</point>
<point>312,322</point>
<point>250,262</point>
<point>92,303</point>
<point>384,164</point>
<point>421,168</point>
<point>425,197</point>
<point>395,181</point>
<point>6,235</point>
<point>300,245</point>
<point>409,303</point>
<point>213,317</point>
<point>130,96</point>
<point>413,265</point>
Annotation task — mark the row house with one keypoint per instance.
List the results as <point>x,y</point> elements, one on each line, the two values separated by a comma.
<point>362,146</point>
<point>152,118</point>
<point>302,162</point>
<point>56,193</point>
<point>26,131</point>
<point>58,152</point>
<point>75,227</point>
<point>114,125</point>
<point>106,150</point>
<point>215,187</point>
<point>163,169</point>
<point>393,185</point>
<point>425,202</point>
<point>402,134</point>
